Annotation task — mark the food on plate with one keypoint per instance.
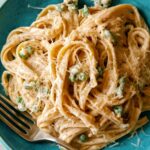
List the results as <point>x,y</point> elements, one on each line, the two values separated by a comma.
<point>83,74</point>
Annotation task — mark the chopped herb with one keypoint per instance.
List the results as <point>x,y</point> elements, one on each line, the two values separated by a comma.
<point>21,104</point>
<point>19,100</point>
<point>85,11</point>
<point>120,89</point>
<point>29,86</point>
<point>100,71</point>
<point>82,76</point>
<point>102,3</point>
<point>83,138</point>
<point>118,110</point>
<point>29,50</point>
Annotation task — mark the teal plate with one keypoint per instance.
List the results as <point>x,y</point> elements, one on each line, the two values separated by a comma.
<point>15,13</point>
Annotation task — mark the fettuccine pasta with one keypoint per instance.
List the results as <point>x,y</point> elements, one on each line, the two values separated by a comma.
<point>84,75</point>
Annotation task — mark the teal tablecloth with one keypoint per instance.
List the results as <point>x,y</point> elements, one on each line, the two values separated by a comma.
<point>3,145</point>
<point>15,13</point>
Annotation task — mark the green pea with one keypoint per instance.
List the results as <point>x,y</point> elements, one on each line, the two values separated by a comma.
<point>72,77</point>
<point>82,76</point>
<point>83,138</point>
<point>23,54</point>
<point>26,52</point>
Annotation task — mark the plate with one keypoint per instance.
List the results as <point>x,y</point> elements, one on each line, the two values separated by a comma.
<point>15,13</point>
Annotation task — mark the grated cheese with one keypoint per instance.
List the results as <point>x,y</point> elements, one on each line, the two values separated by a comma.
<point>144,132</point>
<point>114,145</point>
<point>34,7</point>
<point>137,144</point>
<point>132,134</point>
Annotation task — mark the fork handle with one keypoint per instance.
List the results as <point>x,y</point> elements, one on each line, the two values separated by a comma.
<point>41,136</point>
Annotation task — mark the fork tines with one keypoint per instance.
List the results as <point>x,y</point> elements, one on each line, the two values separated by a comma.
<point>21,123</point>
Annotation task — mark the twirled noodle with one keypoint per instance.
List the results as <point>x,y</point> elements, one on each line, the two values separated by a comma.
<point>84,78</point>
<point>56,24</point>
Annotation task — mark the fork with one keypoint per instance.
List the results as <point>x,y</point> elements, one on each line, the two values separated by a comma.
<point>24,125</point>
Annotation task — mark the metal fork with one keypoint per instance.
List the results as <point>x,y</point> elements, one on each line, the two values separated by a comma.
<point>24,125</point>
